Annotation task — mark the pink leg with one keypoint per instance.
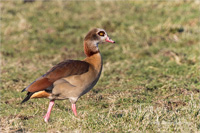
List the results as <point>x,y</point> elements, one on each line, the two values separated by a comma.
<point>47,116</point>
<point>74,109</point>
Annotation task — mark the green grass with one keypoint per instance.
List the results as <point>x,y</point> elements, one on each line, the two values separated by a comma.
<point>151,76</point>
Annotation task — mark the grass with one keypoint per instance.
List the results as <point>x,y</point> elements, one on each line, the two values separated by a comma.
<point>150,80</point>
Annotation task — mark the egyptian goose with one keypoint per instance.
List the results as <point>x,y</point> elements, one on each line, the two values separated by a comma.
<point>71,79</point>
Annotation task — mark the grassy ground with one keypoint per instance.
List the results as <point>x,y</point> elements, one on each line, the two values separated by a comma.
<point>151,76</point>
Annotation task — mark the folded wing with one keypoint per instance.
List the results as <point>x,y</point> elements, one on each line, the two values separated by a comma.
<point>61,70</point>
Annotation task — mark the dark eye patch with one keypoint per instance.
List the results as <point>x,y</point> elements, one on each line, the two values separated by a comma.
<point>101,33</point>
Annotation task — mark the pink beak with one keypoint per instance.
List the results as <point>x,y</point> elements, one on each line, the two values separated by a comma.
<point>109,40</point>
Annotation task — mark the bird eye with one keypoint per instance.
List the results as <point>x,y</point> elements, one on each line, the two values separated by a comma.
<point>101,33</point>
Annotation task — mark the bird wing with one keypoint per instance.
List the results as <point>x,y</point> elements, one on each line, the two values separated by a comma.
<point>61,70</point>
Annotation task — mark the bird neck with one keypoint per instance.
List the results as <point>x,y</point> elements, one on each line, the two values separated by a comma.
<point>91,48</point>
<point>95,60</point>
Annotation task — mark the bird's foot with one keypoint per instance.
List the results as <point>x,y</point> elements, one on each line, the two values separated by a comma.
<point>46,118</point>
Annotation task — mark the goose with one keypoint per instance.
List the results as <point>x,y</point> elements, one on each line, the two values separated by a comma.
<point>71,79</point>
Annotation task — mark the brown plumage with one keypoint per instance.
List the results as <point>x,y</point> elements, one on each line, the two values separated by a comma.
<point>63,69</point>
<point>71,79</point>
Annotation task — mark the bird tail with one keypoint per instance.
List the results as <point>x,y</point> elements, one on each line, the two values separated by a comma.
<point>23,90</point>
<point>29,94</point>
